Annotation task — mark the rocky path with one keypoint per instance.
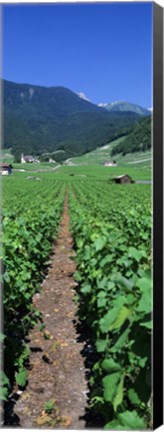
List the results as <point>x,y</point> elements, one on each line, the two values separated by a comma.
<point>56,394</point>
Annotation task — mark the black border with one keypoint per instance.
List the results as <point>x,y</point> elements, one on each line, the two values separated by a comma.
<point>158,216</point>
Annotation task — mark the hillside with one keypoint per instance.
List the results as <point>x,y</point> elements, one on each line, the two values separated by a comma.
<point>98,156</point>
<point>39,120</point>
<point>138,140</point>
<point>122,106</point>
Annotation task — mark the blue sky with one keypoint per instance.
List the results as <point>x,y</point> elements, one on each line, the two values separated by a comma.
<point>103,50</point>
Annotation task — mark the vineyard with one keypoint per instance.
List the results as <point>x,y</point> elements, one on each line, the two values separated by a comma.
<point>111,230</point>
<point>30,224</point>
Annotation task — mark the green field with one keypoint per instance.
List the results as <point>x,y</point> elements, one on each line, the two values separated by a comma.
<point>6,156</point>
<point>137,165</point>
<point>29,167</point>
<point>101,172</point>
<point>101,154</point>
<point>136,171</point>
<point>90,171</point>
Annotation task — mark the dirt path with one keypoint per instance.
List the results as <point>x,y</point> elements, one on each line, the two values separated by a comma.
<point>57,371</point>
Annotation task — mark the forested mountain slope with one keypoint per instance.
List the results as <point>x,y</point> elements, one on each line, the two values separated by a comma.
<point>40,119</point>
<point>139,138</point>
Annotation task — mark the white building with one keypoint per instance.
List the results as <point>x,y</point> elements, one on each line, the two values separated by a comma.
<point>110,163</point>
<point>28,159</point>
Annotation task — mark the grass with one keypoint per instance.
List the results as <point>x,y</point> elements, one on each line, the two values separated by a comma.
<point>29,167</point>
<point>137,165</point>
<point>98,155</point>
<point>137,172</point>
<point>101,154</point>
<point>101,172</point>
<point>6,156</point>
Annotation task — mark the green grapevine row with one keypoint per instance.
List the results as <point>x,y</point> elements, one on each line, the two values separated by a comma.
<point>30,221</point>
<point>113,247</point>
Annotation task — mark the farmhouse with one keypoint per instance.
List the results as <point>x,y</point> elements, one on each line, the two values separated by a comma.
<point>5,169</point>
<point>110,163</point>
<point>123,179</point>
<point>28,159</point>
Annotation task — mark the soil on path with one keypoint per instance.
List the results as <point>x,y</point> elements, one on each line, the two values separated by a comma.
<point>57,370</point>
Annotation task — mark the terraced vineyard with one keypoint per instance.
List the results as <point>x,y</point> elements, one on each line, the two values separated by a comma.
<point>111,229</point>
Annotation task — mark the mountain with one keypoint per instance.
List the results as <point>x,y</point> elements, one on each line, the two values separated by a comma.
<point>139,138</point>
<point>39,119</point>
<point>121,106</point>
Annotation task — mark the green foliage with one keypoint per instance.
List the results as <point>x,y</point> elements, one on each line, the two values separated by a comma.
<point>112,234</point>
<point>139,139</point>
<point>21,377</point>
<point>4,386</point>
<point>128,420</point>
<point>49,406</point>
<point>31,215</point>
<point>111,228</point>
